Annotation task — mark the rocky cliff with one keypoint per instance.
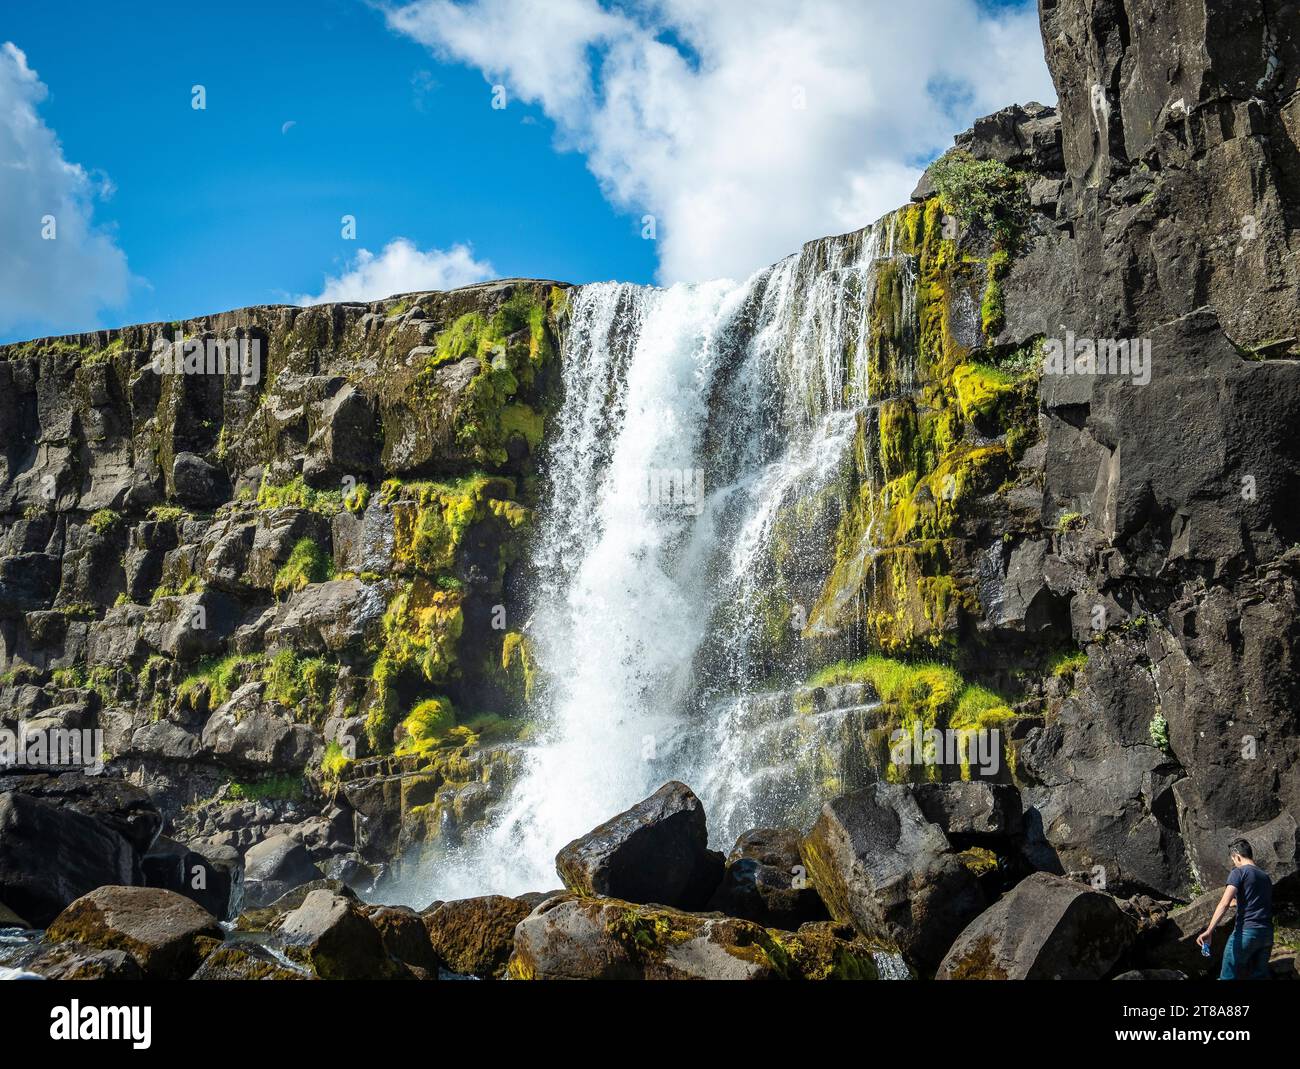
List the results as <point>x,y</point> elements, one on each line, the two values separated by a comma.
<point>292,589</point>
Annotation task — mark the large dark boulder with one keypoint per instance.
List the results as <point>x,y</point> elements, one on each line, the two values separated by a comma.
<point>766,881</point>
<point>212,876</point>
<point>1046,928</point>
<point>880,865</point>
<point>275,866</point>
<point>657,851</point>
<point>51,855</point>
<point>971,808</point>
<point>167,934</point>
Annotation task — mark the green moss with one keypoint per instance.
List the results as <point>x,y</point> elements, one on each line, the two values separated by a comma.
<point>297,494</point>
<point>307,563</point>
<point>166,513</point>
<point>216,679</point>
<point>517,664</point>
<point>105,521</point>
<point>334,762</point>
<point>421,633</point>
<point>300,683</point>
<point>512,346</point>
<point>427,725</point>
<point>922,695</point>
<point>432,520</point>
<point>1067,664</point>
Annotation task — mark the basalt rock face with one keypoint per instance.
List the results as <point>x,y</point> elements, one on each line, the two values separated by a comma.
<point>291,592</point>
<point>1178,221</point>
<point>274,556</point>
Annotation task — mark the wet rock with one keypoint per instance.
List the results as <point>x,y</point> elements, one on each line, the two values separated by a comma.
<point>167,934</point>
<point>474,936</point>
<point>765,881</point>
<point>657,851</point>
<point>1046,928</point>
<point>245,961</point>
<point>878,864</point>
<point>73,961</point>
<point>405,936</point>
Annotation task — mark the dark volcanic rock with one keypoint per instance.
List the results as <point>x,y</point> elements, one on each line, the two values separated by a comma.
<point>167,934</point>
<point>657,851</point>
<point>213,876</point>
<point>275,866</point>
<point>331,933</point>
<point>51,855</point>
<point>766,881</point>
<point>880,865</point>
<point>573,938</point>
<point>1046,928</point>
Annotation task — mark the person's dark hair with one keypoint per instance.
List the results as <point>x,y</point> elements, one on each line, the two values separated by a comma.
<point>1241,848</point>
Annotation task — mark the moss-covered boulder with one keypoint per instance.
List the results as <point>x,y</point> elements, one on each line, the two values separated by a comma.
<point>475,936</point>
<point>167,934</point>
<point>573,938</point>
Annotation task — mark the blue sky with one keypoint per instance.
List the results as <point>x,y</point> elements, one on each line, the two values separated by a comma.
<point>392,123</point>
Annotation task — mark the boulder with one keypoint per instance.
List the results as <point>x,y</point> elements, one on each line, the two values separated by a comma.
<point>971,808</point>
<point>330,933</point>
<point>1046,928</point>
<point>474,936</point>
<point>573,938</point>
<point>765,881</point>
<point>246,961</point>
<point>73,961</point>
<point>657,851</point>
<point>213,876</point>
<point>404,936</point>
<point>51,855</point>
<point>167,934</point>
<point>878,864</point>
<point>275,866</point>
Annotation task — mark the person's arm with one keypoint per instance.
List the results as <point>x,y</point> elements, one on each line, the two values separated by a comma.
<point>1229,896</point>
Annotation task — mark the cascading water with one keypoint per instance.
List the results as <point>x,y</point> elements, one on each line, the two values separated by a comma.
<point>693,419</point>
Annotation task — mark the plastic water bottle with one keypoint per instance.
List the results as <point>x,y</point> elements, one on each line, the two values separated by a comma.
<point>1205,950</point>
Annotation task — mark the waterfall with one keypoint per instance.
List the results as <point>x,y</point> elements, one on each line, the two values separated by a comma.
<point>693,419</point>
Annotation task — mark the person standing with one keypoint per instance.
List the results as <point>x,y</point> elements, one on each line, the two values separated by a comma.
<point>1247,953</point>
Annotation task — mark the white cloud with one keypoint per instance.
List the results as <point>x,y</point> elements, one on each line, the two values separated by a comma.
<point>689,109</point>
<point>402,268</point>
<point>69,280</point>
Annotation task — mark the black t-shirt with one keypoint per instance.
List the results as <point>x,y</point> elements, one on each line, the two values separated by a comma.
<point>1254,896</point>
